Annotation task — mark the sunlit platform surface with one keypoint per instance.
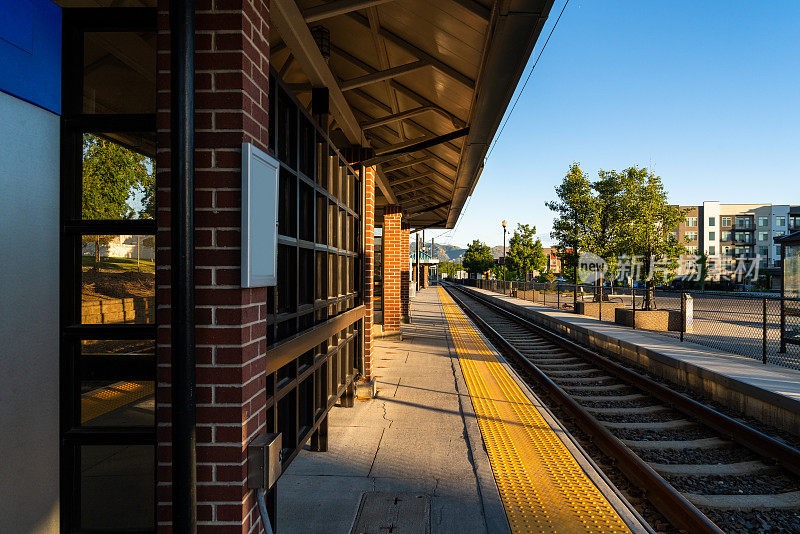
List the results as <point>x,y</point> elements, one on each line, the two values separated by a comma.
<point>452,424</point>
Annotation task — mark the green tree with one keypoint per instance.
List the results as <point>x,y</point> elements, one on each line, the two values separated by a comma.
<point>525,252</point>
<point>478,258</point>
<point>649,222</point>
<point>112,176</point>
<point>608,223</point>
<point>575,217</point>
<point>450,268</point>
<point>546,278</point>
<point>702,274</point>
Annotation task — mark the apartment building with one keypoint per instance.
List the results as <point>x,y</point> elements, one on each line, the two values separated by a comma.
<point>726,232</point>
<point>553,260</point>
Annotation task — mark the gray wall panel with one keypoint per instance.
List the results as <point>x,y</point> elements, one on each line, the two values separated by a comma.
<point>29,207</point>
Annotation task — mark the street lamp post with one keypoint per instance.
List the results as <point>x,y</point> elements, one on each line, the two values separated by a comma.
<point>504,251</point>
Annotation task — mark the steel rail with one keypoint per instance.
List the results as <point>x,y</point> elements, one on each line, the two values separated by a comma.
<point>730,428</point>
<point>671,503</point>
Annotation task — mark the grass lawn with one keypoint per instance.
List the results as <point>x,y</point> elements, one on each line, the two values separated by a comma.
<point>119,264</point>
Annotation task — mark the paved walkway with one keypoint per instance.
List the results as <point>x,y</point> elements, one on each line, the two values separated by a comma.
<point>419,436</point>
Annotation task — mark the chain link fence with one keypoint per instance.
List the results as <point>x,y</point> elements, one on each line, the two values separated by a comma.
<point>763,327</point>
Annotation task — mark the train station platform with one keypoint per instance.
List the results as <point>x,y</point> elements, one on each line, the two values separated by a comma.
<point>452,442</point>
<point>765,392</point>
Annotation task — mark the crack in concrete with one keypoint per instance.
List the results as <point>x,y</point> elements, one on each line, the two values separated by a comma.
<point>377,450</point>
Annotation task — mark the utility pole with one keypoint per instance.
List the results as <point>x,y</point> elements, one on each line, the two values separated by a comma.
<point>504,251</point>
<point>416,269</point>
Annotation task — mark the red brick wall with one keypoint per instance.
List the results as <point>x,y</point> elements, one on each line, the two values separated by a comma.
<point>232,66</point>
<point>369,268</point>
<point>392,267</point>
<point>405,272</point>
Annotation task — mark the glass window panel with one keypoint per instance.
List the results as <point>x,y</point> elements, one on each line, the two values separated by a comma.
<point>322,219</point>
<point>118,279</point>
<point>322,162</point>
<point>117,487</point>
<point>287,129</point>
<point>306,197</point>
<point>118,176</point>
<point>116,403</point>
<point>287,279</point>
<point>287,208</point>
<point>107,399</point>
<point>119,72</point>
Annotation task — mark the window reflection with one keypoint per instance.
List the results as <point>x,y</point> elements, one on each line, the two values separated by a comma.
<point>118,279</point>
<point>118,178</point>
<point>109,394</point>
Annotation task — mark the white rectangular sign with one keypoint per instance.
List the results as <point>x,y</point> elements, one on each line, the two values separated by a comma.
<point>259,217</point>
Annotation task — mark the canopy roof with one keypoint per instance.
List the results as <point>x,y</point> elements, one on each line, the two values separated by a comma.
<point>423,84</point>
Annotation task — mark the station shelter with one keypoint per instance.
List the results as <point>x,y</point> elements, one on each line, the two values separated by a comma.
<point>424,268</point>
<point>190,194</point>
<point>790,289</point>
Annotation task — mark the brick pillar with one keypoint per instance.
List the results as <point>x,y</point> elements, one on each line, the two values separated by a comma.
<point>232,66</point>
<point>405,273</point>
<point>369,269</point>
<point>393,266</point>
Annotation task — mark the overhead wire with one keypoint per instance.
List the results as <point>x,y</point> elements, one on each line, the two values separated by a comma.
<point>536,61</point>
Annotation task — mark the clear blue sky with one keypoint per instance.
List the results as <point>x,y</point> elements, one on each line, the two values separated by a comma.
<point>706,93</point>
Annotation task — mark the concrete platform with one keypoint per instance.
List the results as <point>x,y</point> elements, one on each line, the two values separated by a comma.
<point>419,443</point>
<point>768,392</point>
<point>418,436</point>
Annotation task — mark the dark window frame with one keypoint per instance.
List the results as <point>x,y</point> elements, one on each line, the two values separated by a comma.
<point>74,124</point>
<point>306,374</point>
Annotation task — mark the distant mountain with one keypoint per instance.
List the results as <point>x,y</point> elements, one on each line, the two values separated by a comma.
<point>449,252</point>
<point>444,252</point>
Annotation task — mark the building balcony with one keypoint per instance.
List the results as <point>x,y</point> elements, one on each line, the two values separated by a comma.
<point>746,240</point>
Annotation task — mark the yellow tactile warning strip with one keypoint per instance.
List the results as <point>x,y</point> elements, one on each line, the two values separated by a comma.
<point>542,486</point>
<point>108,398</point>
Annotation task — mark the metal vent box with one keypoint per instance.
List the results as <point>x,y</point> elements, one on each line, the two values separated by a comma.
<point>259,217</point>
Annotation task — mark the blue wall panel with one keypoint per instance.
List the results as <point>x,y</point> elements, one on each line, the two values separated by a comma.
<point>30,51</point>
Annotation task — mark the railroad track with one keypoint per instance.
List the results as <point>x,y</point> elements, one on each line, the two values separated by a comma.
<point>704,471</point>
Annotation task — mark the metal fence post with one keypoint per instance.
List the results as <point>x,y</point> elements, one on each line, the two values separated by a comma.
<point>600,310</point>
<point>764,331</point>
<point>633,316</point>
<point>558,296</point>
<point>575,298</point>
<point>683,313</point>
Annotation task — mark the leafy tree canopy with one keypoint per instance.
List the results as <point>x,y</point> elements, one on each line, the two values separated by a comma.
<point>608,219</point>
<point>648,220</point>
<point>525,252</point>
<point>575,209</point>
<point>478,257</point>
<point>112,174</point>
<point>450,268</point>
